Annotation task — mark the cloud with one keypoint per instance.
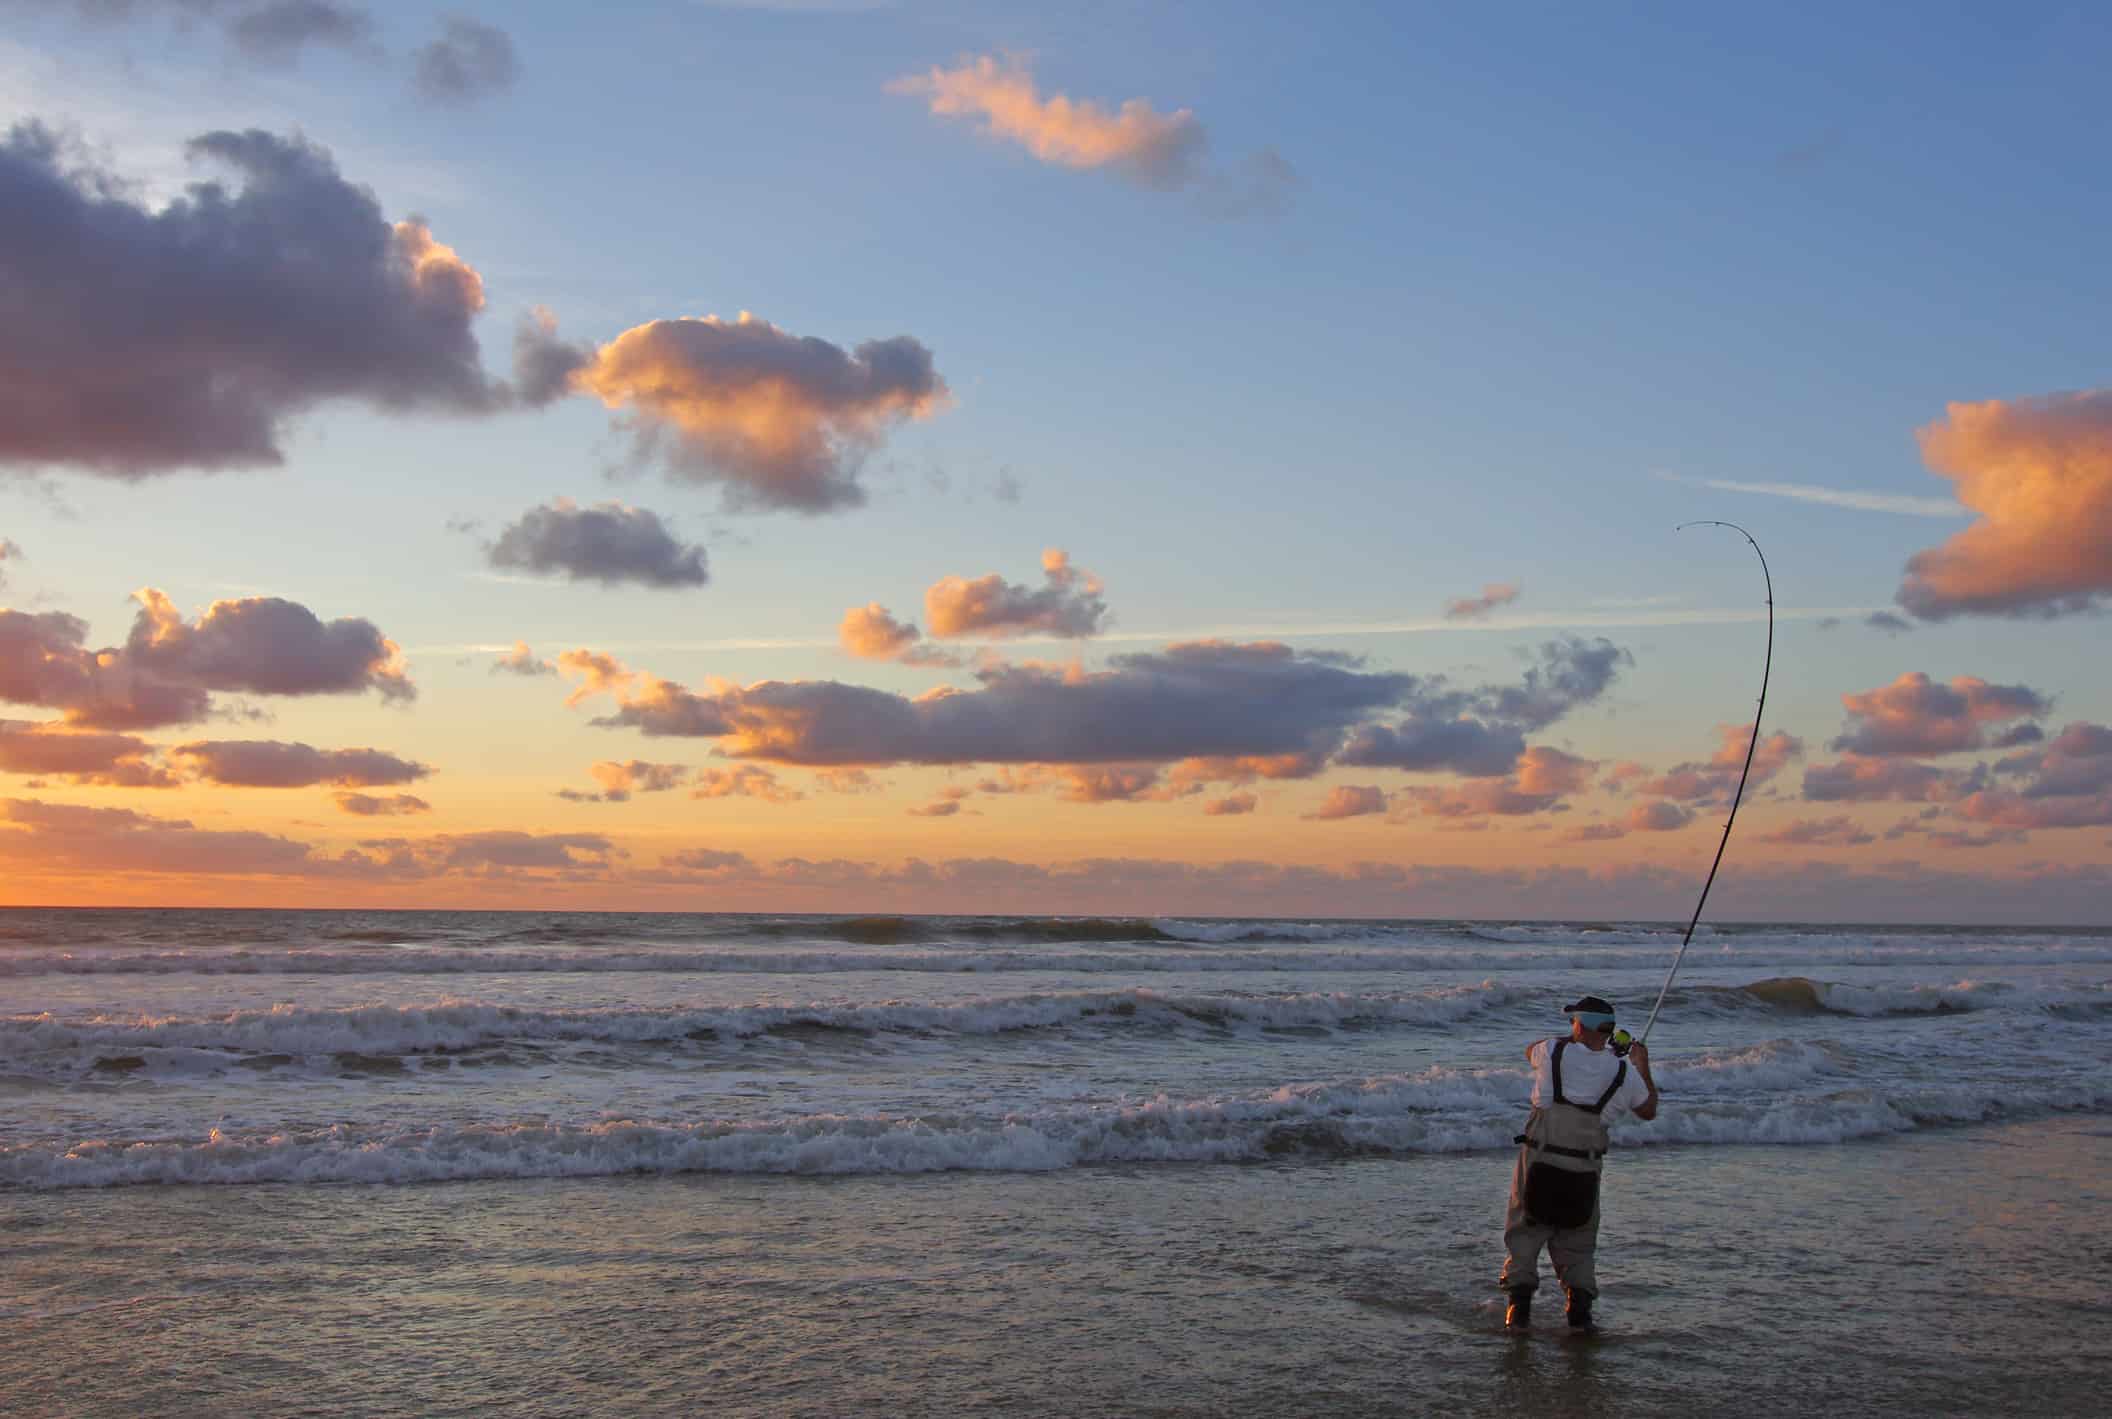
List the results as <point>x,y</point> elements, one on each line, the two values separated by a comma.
<point>845,781</point>
<point>777,420</point>
<point>1068,605</point>
<point>2038,472</point>
<point>1163,151</point>
<point>1475,608</point>
<point>943,808</point>
<point>1231,805</point>
<point>142,342</point>
<point>597,673</point>
<point>1540,777</point>
<point>1349,801</point>
<point>1888,622</point>
<point>368,806</point>
<point>272,35</point>
<point>469,60</point>
<point>1657,816</point>
<point>1481,732</point>
<point>1714,781</point>
<point>167,669</point>
<point>1915,715</point>
<point>1857,778</point>
<point>62,838</point>
<point>1594,833</point>
<point>83,757</point>
<point>1201,699</point>
<point>9,551</point>
<point>743,781</point>
<point>871,632</point>
<point>268,763</point>
<point>522,661</point>
<point>619,780</point>
<point>1831,497</point>
<point>1837,831</point>
<point>608,543</point>
<point>2068,784</point>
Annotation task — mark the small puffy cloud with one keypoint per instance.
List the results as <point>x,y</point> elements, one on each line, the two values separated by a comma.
<point>940,808</point>
<point>743,781</point>
<point>273,34</point>
<point>1474,608</point>
<point>1349,801</point>
<point>309,294</point>
<point>1153,149</point>
<point>9,551</point>
<point>1542,770</point>
<point>367,805</point>
<point>1891,623</point>
<point>1068,604</point>
<point>467,61</point>
<point>268,763</point>
<point>1914,715</point>
<point>596,672</point>
<point>168,668</point>
<point>620,779</point>
<point>1837,831</point>
<point>2038,472</point>
<point>608,543</point>
<point>845,781</point>
<point>521,661</point>
<point>777,420</point>
<point>1568,674</point>
<point>80,756</point>
<point>1658,816</point>
<point>871,632</point>
<point>1231,805</point>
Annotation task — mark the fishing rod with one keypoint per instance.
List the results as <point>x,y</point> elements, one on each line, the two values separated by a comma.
<point>1751,744</point>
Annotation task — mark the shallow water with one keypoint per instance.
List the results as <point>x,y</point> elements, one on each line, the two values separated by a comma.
<point>1944,1272</point>
<point>465,1163</point>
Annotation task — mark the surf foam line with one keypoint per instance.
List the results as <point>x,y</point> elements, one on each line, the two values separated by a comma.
<point>466,1024</point>
<point>1438,1111</point>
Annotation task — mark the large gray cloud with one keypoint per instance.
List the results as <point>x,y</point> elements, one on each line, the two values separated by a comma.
<point>270,763</point>
<point>274,33</point>
<point>608,543</point>
<point>1481,732</point>
<point>469,60</point>
<point>168,669</point>
<point>1200,699</point>
<point>139,342</point>
<point>1916,715</point>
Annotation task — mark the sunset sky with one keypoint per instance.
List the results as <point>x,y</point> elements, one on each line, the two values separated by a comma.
<point>838,456</point>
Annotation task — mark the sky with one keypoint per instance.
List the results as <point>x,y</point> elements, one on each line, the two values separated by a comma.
<point>1206,458</point>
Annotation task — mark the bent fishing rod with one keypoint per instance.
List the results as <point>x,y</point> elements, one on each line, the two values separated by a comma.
<point>1751,744</point>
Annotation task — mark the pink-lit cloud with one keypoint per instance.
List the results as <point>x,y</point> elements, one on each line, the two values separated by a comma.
<point>871,632</point>
<point>1715,779</point>
<point>85,757</point>
<point>1160,150</point>
<point>1068,604</point>
<point>774,419</point>
<point>619,779</point>
<point>743,781</point>
<point>521,661</point>
<point>1349,801</point>
<point>1857,778</point>
<point>1231,805</point>
<point>168,669</point>
<point>1475,608</point>
<point>1657,816</point>
<point>2038,472</point>
<point>1915,715</point>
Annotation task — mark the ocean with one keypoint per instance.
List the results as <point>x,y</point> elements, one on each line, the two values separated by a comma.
<point>545,1163</point>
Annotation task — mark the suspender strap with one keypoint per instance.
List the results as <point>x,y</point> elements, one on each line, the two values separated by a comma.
<point>1620,1077</point>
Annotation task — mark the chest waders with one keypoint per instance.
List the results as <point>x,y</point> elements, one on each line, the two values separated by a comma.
<point>1567,1144</point>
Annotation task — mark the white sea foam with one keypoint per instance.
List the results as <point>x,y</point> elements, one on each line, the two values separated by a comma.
<point>1439,1111</point>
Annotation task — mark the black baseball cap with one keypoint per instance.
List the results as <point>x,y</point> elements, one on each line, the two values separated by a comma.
<point>1591,1005</point>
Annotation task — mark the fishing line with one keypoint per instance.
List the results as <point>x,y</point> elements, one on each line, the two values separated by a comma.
<point>1751,744</point>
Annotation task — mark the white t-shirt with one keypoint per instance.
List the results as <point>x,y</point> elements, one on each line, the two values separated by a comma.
<point>1585,1075</point>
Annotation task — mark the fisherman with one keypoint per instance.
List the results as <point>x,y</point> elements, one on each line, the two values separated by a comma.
<point>1555,1187</point>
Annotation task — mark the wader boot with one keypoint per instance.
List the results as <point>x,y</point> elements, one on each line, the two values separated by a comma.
<point>1520,1314</point>
<point>1555,1191</point>
<point>1580,1310</point>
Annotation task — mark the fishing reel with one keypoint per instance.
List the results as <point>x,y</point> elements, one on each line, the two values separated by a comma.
<point>1621,1041</point>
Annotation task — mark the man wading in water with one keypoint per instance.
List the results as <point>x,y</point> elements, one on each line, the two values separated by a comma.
<point>1555,1187</point>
